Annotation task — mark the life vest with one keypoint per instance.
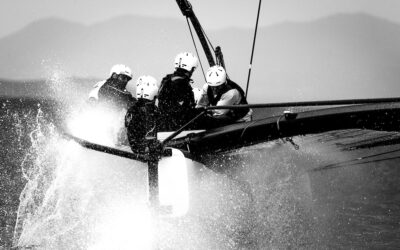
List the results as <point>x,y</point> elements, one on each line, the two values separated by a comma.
<point>236,113</point>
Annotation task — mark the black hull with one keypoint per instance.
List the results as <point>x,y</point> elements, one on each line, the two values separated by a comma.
<point>383,117</point>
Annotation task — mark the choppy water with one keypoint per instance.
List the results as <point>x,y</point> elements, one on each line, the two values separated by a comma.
<point>268,196</point>
<point>333,192</point>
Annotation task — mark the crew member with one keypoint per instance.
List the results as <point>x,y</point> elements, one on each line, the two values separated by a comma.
<point>175,97</point>
<point>113,91</point>
<point>142,118</point>
<point>112,98</point>
<point>221,91</point>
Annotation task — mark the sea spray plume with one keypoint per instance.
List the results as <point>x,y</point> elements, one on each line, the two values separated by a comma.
<point>281,192</point>
<point>39,130</point>
<point>98,124</point>
<point>71,195</point>
<point>17,119</point>
<point>89,203</point>
<point>63,86</point>
<point>278,213</point>
<point>69,199</point>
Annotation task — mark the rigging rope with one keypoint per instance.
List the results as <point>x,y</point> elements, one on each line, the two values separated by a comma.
<point>252,50</point>
<point>208,40</point>
<point>197,52</point>
<point>212,47</point>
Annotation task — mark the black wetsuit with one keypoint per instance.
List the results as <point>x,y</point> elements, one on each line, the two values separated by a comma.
<point>113,93</point>
<point>113,97</point>
<point>175,100</point>
<point>140,121</point>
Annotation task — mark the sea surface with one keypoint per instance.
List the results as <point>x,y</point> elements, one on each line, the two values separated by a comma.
<point>336,190</point>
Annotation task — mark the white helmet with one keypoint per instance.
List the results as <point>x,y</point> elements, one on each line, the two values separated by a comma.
<point>216,76</point>
<point>146,87</point>
<point>131,88</point>
<point>121,69</point>
<point>186,60</point>
<point>197,94</point>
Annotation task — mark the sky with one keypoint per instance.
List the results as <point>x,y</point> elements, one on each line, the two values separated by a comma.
<point>15,14</point>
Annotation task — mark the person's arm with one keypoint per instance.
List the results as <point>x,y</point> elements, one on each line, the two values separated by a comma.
<point>94,92</point>
<point>232,97</point>
<point>203,101</point>
<point>189,101</point>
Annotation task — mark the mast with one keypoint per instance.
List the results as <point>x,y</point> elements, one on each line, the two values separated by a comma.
<point>187,11</point>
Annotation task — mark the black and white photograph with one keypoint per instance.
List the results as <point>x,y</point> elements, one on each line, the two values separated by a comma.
<point>189,124</point>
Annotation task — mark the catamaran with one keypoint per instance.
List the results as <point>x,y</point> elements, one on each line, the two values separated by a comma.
<point>203,146</point>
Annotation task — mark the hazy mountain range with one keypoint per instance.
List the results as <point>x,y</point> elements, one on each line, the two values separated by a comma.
<point>342,56</point>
